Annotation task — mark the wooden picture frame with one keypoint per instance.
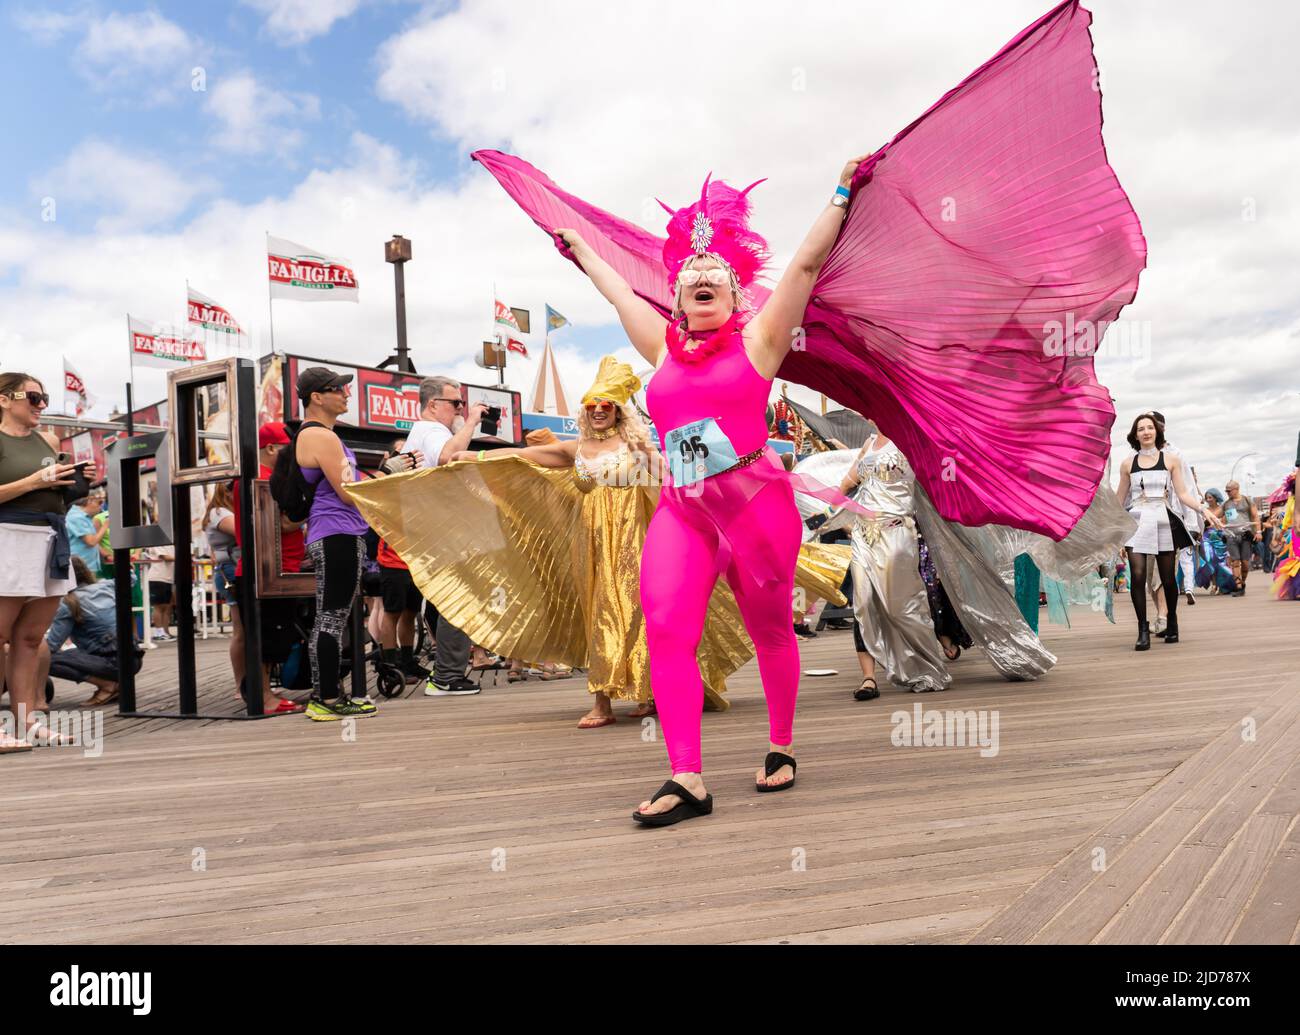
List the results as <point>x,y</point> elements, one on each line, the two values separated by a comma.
<point>189,439</point>
<point>270,577</point>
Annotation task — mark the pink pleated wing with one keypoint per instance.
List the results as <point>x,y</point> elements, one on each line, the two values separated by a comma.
<point>985,249</point>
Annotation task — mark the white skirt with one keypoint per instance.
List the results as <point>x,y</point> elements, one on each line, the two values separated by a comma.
<point>25,563</point>
<point>1154,533</point>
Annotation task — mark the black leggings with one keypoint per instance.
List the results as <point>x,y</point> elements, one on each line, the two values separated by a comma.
<point>338,560</point>
<point>1165,564</point>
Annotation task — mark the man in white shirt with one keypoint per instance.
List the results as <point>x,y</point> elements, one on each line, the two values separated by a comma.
<point>441,431</point>
<point>439,434</point>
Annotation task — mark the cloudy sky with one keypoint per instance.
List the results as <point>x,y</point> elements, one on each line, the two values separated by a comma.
<point>147,144</point>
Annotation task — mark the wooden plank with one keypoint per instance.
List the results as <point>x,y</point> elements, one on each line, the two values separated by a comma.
<point>1048,897</point>
<point>901,844</point>
<point>1209,915</point>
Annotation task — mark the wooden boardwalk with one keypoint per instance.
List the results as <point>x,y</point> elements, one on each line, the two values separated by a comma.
<point>1124,804</point>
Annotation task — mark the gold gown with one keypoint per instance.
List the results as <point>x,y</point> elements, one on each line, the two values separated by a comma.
<point>543,564</point>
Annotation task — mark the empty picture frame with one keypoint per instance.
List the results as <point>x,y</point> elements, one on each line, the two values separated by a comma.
<point>127,524</point>
<point>204,407</point>
<point>268,564</point>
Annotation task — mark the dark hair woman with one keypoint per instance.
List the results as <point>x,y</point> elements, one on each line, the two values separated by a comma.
<point>1147,482</point>
<point>1159,424</point>
<point>37,571</point>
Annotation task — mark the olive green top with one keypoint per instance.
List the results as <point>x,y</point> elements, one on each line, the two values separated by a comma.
<point>24,455</point>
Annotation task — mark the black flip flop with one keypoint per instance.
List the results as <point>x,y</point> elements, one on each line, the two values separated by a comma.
<point>688,808</point>
<point>863,693</point>
<point>774,761</point>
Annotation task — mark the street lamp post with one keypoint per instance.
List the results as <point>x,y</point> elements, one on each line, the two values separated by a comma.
<point>398,252</point>
<point>1232,472</point>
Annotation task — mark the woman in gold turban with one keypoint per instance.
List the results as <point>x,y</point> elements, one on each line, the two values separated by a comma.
<point>536,552</point>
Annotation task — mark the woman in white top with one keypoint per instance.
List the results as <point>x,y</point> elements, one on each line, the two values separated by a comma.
<point>1148,482</point>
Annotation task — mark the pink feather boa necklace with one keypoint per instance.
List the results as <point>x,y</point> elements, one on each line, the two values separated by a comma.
<point>695,348</point>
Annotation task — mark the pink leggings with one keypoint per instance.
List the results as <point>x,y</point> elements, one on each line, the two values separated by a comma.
<point>679,568</point>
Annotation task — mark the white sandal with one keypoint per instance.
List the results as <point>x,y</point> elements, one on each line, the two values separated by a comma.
<point>12,746</point>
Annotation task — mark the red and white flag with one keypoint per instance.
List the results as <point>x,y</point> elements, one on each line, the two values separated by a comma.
<point>306,275</point>
<point>205,313</point>
<point>156,346</point>
<point>506,317</point>
<point>515,345</point>
<point>75,396</point>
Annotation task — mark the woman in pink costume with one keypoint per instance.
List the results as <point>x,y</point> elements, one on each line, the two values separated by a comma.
<point>729,509</point>
<point>960,301</point>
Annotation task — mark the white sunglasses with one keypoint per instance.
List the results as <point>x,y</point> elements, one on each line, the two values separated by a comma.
<point>716,276</point>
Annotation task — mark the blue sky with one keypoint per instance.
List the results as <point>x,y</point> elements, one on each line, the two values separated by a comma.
<point>227,37</point>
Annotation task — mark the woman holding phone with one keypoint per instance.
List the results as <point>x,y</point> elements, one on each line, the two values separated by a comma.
<point>37,568</point>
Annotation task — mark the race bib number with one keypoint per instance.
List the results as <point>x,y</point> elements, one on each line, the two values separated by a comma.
<point>698,450</point>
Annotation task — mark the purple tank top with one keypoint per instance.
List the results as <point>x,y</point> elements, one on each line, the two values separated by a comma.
<point>330,515</point>
<point>724,385</point>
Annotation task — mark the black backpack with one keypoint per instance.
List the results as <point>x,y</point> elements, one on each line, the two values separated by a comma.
<point>289,488</point>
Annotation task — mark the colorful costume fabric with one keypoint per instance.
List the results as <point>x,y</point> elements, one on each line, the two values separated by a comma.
<point>968,562</point>
<point>740,523</point>
<point>541,564</point>
<point>1286,573</point>
<point>985,249</point>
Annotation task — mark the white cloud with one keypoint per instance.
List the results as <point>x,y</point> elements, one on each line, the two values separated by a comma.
<point>46,27</point>
<point>1199,118</point>
<point>135,57</point>
<point>256,118</point>
<point>291,22</point>
<point>621,103</point>
<point>128,190</point>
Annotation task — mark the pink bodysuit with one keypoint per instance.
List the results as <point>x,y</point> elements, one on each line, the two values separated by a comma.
<point>741,523</point>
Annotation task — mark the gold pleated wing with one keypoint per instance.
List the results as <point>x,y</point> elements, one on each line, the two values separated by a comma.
<point>532,567</point>
<point>494,545</point>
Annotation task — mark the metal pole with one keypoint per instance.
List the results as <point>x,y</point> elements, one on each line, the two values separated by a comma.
<point>125,632</point>
<point>398,252</point>
<point>130,359</point>
<point>183,570</point>
<point>250,610</point>
<point>270,310</point>
<point>358,688</point>
<point>399,286</point>
<point>1232,472</point>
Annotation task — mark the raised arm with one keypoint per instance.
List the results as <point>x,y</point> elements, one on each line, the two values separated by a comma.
<point>644,324</point>
<point>851,479</point>
<point>552,454</point>
<point>773,329</point>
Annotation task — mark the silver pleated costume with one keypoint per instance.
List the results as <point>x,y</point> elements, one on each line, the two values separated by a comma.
<point>889,598</point>
<point>975,566</point>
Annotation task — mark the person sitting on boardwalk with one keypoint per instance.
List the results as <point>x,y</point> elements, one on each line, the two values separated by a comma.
<point>88,617</point>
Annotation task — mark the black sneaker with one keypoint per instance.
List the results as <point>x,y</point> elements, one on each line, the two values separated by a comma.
<point>458,687</point>
<point>841,624</point>
<point>802,630</point>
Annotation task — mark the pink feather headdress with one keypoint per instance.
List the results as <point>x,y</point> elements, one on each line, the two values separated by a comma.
<point>717,223</point>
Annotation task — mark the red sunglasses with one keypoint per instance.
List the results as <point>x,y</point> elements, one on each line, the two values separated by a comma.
<point>600,404</point>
